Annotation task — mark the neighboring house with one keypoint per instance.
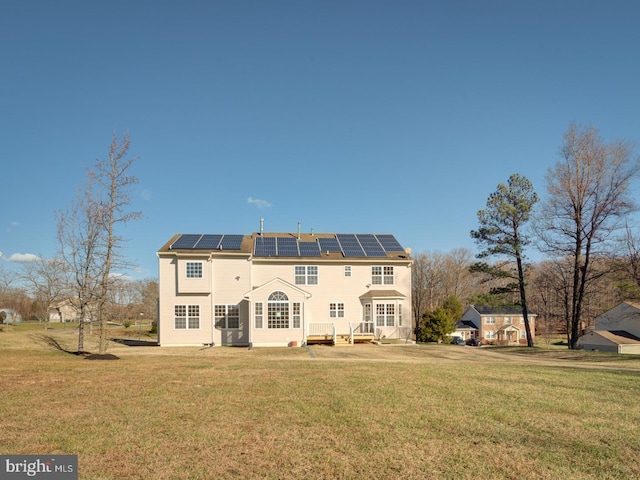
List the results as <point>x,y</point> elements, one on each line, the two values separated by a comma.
<point>495,325</point>
<point>616,330</point>
<point>278,289</point>
<point>10,316</point>
<point>63,311</point>
<point>465,329</point>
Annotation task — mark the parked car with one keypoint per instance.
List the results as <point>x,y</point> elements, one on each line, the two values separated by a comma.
<point>458,341</point>
<point>474,342</point>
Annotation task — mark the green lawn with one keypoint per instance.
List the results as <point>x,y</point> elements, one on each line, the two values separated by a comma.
<point>435,411</point>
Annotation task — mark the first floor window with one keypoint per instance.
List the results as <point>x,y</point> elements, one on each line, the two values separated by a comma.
<point>297,316</point>
<point>186,317</point>
<point>367,313</point>
<point>399,314</point>
<point>336,310</point>
<point>523,334</point>
<point>278,310</point>
<point>258,314</point>
<point>194,269</point>
<point>490,334</point>
<point>385,315</point>
<point>227,316</point>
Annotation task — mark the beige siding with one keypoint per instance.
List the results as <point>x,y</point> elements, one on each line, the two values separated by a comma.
<point>243,281</point>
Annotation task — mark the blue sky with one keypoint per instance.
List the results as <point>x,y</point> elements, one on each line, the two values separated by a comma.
<point>347,116</point>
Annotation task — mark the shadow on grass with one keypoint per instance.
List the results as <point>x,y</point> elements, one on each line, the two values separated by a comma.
<point>135,343</point>
<point>52,342</point>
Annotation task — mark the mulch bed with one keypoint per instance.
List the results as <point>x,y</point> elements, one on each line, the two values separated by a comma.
<point>104,356</point>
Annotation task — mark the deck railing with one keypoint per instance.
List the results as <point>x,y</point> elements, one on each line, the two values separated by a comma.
<point>402,333</point>
<point>322,329</point>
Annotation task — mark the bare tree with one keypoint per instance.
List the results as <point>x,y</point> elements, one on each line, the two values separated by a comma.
<point>113,177</point>
<point>88,238</point>
<point>458,281</point>
<point>46,280</point>
<point>426,283</point>
<point>78,232</point>
<point>587,203</point>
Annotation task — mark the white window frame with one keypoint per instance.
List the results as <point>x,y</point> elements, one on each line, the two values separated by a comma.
<point>193,269</point>
<point>189,314</point>
<point>227,316</point>
<point>306,274</point>
<point>523,334</point>
<point>490,335</point>
<point>382,275</point>
<point>258,314</point>
<point>336,310</point>
<point>385,314</point>
<point>278,303</point>
<point>508,321</point>
<point>296,315</point>
<point>489,320</point>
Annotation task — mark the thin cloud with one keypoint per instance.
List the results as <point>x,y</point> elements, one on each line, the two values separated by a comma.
<point>258,203</point>
<point>23,258</point>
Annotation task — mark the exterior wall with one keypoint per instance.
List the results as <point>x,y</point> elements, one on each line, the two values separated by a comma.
<point>593,341</point>
<point>500,320</point>
<point>229,279</point>
<point>629,349</point>
<point>334,287</point>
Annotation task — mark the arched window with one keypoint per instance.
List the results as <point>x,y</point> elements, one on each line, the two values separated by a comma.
<point>278,297</point>
<point>278,310</point>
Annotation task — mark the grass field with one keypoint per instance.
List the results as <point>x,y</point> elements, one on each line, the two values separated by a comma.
<point>365,411</point>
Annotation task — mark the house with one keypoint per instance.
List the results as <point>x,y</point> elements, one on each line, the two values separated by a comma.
<point>496,325</point>
<point>63,311</point>
<point>10,316</point>
<point>67,310</point>
<point>279,289</point>
<point>616,330</point>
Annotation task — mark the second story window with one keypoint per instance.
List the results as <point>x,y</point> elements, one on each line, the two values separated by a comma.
<point>381,275</point>
<point>306,274</point>
<point>194,269</point>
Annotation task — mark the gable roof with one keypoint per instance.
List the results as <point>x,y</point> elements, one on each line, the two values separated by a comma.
<point>618,336</point>
<point>465,325</point>
<point>388,294</point>
<point>278,281</point>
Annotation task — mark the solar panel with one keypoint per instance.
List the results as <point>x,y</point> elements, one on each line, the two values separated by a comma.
<point>350,245</point>
<point>389,243</point>
<point>231,242</point>
<point>287,247</point>
<point>329,244</point>
<point>371,246</point>
<point>309,249</point>
<point>186,241</point>
<point>208,242</point>
<point>265,247</point>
